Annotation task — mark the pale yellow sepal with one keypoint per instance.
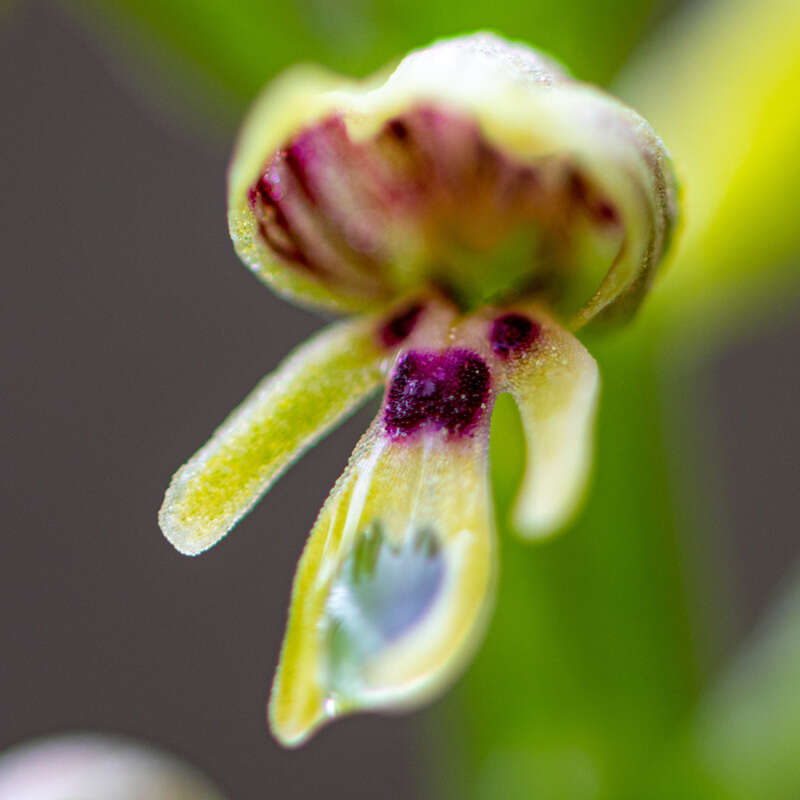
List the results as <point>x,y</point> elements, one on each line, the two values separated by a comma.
<point>555,385</point>
<point>298,97</point>
<point>429,484</point>
<point>287,412</point>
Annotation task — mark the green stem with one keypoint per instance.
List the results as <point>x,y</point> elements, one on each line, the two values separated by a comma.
<point>590,664</point>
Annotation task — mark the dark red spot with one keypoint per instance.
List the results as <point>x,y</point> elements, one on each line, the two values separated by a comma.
<point>295,160</point>
<point>278,234</point>
<point>598,207</point>
<point>414,393</point>
<point>578,188</point>
<point>398,129</point>
<point>512,333</point>
<point>446,390</point>
<point>606,213</point>
<point>399,327</point>
<point>466,391</point>
<point>266,197</point>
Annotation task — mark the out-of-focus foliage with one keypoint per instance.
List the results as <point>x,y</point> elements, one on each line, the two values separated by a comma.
<point>743,740</point>
<point>721,85</point>
<point>231,48</point>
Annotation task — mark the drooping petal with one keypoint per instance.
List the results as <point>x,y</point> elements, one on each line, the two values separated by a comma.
<point>393,589</point>
<point>313,388</point>
<point>554,381</point>
<point>288,411</point>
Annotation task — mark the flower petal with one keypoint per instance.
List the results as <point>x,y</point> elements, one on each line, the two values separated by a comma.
<point>309,392</point>
<point>393,590</point>
<point>554,381</point>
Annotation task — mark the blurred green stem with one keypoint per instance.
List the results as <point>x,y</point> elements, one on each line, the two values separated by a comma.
<point>591,663</point>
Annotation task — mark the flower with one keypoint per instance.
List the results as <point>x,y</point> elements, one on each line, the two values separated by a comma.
<point>475,208</point>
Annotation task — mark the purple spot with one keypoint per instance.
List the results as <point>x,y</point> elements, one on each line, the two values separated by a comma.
<point>414,394</point>
<point>467,388</point>
<point>599,208</point>
<point>266,197</point>
<point>399,327</point>
<point>578,188</point>
<point>398,129</point>
<point>446,390</point>
<point>513,332</point>
<point>606,213</point>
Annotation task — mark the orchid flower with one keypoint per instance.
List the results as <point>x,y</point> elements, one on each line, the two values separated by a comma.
<point>470,211</point>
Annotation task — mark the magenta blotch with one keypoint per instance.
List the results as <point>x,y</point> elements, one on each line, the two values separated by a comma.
<point>513,333</point>
<point>443,390</point>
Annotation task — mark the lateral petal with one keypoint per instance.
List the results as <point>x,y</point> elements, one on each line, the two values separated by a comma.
<point>310,391</point>
<point>554,381</point>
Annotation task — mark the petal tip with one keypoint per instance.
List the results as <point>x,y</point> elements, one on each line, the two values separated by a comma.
<point>190,534</point>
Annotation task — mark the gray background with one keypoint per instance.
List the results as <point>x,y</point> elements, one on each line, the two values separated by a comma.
<point>128,330</point>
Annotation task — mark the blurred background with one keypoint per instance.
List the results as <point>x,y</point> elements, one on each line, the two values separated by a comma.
<point>129,330</point>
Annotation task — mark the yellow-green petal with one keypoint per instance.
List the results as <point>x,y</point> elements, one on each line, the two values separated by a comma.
<point>555,384</point>
<point>292,407</point>
<point>556,390</point>
<point>394,587</point>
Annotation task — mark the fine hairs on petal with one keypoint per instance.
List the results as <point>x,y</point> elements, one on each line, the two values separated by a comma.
<point>315,387</point>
